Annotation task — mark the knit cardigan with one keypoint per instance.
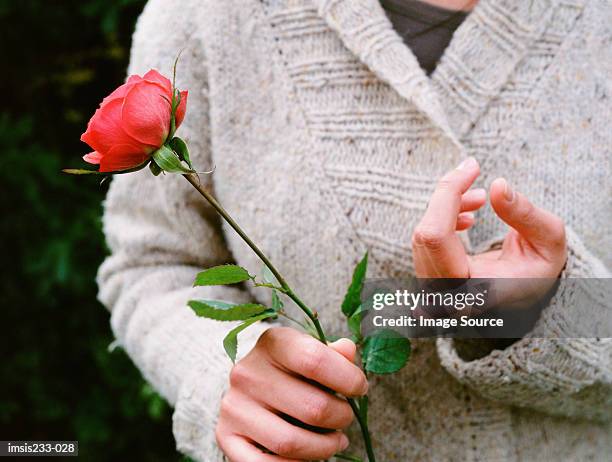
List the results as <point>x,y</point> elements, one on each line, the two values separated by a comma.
<point>327,139</point>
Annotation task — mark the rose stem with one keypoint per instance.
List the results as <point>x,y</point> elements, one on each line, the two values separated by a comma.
<point>195,182</point>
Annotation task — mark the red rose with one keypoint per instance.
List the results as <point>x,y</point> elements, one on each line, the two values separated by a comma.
<point>132,122</point>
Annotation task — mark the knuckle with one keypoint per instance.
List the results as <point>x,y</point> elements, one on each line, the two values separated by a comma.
<point>265,337</point>
<point>226,406</point>
<point>273,337</point>
<point>316,409</point>
<point>415,239</point>
<point>240,375</point>
<point>268,336</point>
<point>284,445</point>
<point>429,237</point>
<point>312,359</point>
<point>447,183</point>
<point>527,213</point>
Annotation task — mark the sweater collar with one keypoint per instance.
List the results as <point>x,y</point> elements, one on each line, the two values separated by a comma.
<point>497,31</point>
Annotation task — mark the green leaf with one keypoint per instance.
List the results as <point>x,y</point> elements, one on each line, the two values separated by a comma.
<point>181,149</point>
<point>271,281</point>
<point>222,275</point>
<point>168,161</point>
<point>352,299</point>
<point>277,303</point>
<point>222,311</point>
<point>354,321</point>
<point>385,352</point>
<point>269,277</point>
<point>155,170</point>
<point>230,342</point>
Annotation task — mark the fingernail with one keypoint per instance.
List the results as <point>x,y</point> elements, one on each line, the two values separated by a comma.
<point>344,442</point>
<point>467,164</point>
<point>508,192</point>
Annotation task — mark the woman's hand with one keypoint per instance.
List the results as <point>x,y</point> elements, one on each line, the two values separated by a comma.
<point>284,375</point>
<point>535,246</point>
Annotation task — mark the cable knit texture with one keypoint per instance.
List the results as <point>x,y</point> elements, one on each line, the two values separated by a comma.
<point>327,140</point>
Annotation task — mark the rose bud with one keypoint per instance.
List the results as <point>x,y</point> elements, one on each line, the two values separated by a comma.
<point>132,123</point>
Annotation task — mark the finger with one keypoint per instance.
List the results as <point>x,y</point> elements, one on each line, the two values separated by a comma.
<point>279,436</point>
<point>346,347</point>
<point>238,449</point>
<point>445,202</point>
<point>435,235</point>
<point>282,392</point>
<point>301,354</point>
<point>441,255</point>
<point>541,228</point>
<point>424,265</point>
<point>465,220</point>
<point>473,199</point>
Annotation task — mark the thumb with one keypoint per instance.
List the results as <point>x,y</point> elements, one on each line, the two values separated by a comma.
<point>539,227</point>
<point>345,347</point>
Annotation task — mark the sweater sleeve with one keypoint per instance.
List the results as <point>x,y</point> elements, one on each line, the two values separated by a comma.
<point>161,233</point>
<point>561,367</point>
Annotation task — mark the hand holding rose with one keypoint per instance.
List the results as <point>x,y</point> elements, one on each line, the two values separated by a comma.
<point>284,375</point>
<point>294,392</point>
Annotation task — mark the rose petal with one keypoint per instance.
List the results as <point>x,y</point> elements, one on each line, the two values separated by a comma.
<point>156,77</point>
<point>134,78</point>
<point>146,113</point>
<point>120,158</point>
<point>105,130</point>
<point>93,157</point>
<point>182,107</point>
<point>122,90</point>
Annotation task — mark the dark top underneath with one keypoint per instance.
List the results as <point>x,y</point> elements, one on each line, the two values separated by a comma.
<point>425,28</point>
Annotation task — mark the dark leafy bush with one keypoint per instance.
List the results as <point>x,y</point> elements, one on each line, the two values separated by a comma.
<point>59,379</point>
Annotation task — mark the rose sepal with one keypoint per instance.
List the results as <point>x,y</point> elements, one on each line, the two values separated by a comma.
<point>180,148</point>
<point>169,161</point>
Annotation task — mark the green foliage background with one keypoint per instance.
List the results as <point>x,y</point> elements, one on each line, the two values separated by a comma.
<point>58,379</point>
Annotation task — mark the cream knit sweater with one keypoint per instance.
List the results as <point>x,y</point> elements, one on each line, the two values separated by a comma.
<point>328,140</point>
